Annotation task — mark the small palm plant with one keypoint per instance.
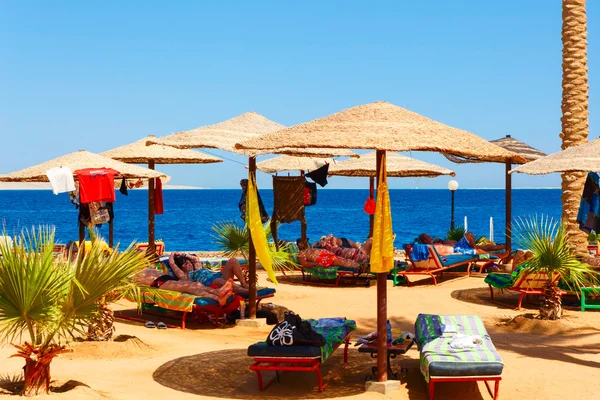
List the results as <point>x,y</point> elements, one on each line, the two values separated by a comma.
<point>546,239</point>
<point>44,301</point>
<point>233,239</point>
<point>456,233</point>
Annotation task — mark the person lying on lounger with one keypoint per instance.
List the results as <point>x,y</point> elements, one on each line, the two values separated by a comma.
<point>157,279</point>
<point>340,257</point>
<point>329,242</point>
<point>189,267</point>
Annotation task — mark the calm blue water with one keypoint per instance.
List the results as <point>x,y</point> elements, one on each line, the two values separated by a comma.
<point>190,214</point>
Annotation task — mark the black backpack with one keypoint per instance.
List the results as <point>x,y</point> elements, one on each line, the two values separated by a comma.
<point>293,331</point>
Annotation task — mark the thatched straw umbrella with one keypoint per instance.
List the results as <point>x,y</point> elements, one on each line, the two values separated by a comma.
<point>383,127</point>
<point>81,160</point>
<point>292,163</point>
<point>139,153</point>
<point>397,166</point>
<point>582,158</point>
<point>224,135</point>
<point>518,147</point>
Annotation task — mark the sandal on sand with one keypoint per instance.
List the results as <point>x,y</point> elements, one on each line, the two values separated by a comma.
<point>161,325</point>
<point>150,324</point>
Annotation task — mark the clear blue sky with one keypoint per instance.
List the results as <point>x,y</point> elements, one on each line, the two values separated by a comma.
<point>96,75</point>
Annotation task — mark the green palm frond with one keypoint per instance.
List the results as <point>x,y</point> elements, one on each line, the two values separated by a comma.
<point>31,286</point>
<point>456,234</point>
<point>51,299</point>
<point>231,238</point>
<point>546,239</point>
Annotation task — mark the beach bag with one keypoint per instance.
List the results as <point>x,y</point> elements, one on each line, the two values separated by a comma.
<point>293,331</point>
<point>370,206</point>
<point>98,213</point>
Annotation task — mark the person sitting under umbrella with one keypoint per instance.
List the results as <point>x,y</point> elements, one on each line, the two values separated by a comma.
<point>189,267</point>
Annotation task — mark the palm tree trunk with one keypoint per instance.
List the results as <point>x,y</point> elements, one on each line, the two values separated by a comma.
<point>551,307</point>
<point>102,327</point>
<point>37,367</point>
<point>574,107</point>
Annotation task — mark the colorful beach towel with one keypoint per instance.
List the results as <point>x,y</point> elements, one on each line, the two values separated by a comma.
<point>334,330</point>
<point>435,345</point>
<point>322,272</point>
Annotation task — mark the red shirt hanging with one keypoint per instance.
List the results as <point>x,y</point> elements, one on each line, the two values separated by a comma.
<point>158,197</point>
<point>96,184</point>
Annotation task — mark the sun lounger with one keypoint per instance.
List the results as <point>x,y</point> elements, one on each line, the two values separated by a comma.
<point>159,247</point>
<point>336,275</point>
<point>434,263</point>
<point>202,309</point>
<point>521,281</point>
<point>300,358</point>
<point>442,363</point>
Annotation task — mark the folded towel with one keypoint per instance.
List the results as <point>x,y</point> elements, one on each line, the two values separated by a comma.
<point>461,341</point>
<point>449,328</point>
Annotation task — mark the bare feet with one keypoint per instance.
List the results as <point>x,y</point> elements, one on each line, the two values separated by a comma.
<point>226,288</point>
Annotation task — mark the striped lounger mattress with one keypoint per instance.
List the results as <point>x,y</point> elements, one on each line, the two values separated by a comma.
<point>440,362</point>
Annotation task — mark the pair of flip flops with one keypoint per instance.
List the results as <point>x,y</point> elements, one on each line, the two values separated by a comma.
<point>160,325</point>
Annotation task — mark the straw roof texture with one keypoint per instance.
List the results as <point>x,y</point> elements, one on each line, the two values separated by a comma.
<point>226,134</point>
<point>508,143</point>
<point>291,163</point>
<point>223,135</point>
<point>396,166</point>
<point>79,160</point>
<point>585,157</point>
<point>139,153</point>
<point>381,126</point>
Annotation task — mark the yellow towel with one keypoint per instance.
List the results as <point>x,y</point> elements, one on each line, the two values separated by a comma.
<point>257,231</point>
<point>382,252</point>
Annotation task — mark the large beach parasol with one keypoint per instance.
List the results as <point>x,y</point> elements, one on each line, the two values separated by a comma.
<point>383,127</point>
<point>585,157</point>
<point>140,153</point>
<point>224,135</point>
<point>516,146</point>
<point>292,163</point>
<point>81,160</point>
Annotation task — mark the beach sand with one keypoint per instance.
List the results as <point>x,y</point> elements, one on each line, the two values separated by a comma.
<point>543,359</point>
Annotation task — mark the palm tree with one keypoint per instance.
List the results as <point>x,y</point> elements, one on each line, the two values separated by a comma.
<point>44,301</point>
<point>547,240</point>
<point>233,239</point>
<point>574,107</point>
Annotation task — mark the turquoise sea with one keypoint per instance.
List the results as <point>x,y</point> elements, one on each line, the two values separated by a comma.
<point>190,214</point>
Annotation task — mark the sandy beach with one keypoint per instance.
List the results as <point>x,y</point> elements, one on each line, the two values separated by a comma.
<point>543,359</point>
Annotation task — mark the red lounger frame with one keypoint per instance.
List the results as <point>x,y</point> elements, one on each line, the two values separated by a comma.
<point>341,275</point>
<point>431,271</point>
<point>303,364</point>
<point>485,379</point>
<point>532,282</point>
<point>204,313</point>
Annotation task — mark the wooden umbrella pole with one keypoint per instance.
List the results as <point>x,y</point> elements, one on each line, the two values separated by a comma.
<point>151,251</point>
<point>251,253</point>
<point>508,208</point>
<point>371,216</point>
<point>111,233</point>
<point>381,302</point>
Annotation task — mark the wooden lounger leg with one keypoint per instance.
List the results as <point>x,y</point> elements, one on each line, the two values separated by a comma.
<point>520,301</point>
<point>346,351</point>
<point>491,292</point>
<point>319,379</point>
<point>434,280</point>
<point>260,381</point>
<point>183,319</point>
<point>431,388</point>
<point>496,388</point>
